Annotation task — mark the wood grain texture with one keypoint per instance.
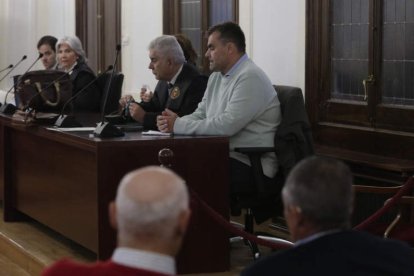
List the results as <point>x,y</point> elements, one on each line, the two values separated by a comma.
<point>66,181</point>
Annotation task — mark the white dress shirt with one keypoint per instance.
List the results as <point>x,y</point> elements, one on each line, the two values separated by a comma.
<point>144,260</point>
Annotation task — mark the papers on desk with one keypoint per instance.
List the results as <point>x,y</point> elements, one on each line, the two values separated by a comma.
<point>155,133</point>
<point>67,129</point>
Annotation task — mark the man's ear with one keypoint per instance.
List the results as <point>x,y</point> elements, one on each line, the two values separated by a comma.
<point>183,221</point>
<point>297,212</point>
<point>112,215</point>
<point>295,215</point>
<point>231,47</point>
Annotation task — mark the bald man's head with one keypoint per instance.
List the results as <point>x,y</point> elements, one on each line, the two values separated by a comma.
<point>150,184</point>
<point>149,203</point>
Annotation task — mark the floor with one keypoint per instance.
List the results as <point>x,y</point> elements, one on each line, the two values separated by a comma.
<point>27,247</point>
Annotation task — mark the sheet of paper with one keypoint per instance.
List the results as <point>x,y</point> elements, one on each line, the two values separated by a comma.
<point>67,129</point>
<point>155,133</point>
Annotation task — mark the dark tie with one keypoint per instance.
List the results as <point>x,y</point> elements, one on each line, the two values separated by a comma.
<point>169,87</point>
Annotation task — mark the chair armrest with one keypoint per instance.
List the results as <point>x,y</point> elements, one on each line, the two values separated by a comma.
<point>255,154</point>
<point>252,150</point>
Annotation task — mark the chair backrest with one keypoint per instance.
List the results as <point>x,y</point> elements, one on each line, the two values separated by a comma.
<point>292,142</point>
<point>293,139</point>
<point>115,92</point>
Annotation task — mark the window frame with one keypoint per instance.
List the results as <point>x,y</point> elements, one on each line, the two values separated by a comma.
<point>171,23</point>
<point>98,26</point>
<point>374,128</point>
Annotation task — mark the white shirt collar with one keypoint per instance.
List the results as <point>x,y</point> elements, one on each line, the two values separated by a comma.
<point>71,68</point>
<point>144,260</point>
<point>243,58</point>
<point>174,79</point>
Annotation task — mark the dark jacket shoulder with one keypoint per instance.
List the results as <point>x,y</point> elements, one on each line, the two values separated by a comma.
<point>84,82</point>
<point>183,99</point>
<point>341,253</point>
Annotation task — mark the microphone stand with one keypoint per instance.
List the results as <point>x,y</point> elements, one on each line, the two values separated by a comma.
<point>69,120</point>
<point>106,129</point>
<point>8,67</point>
<point>17,64</point>
<point>8,108</point>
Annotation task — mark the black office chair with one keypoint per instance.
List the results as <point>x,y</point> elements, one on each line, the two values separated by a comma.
<point>293,142</point>
<point>115,92</point>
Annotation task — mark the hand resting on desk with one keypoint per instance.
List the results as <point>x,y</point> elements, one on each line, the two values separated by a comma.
<point>165,122</point>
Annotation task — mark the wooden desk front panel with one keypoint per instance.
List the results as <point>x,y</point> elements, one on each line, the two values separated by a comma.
<point>203,163</point>
<point>56,184</point>
<point>65,181</point>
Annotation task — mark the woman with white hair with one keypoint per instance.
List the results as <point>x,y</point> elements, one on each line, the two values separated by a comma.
<point>71,58</point>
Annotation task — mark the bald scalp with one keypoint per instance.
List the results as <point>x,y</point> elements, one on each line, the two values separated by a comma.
<point>148,199</point>
<point>150,184</point>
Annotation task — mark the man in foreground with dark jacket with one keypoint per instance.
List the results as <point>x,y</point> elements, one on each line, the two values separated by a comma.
<point>318,200</point>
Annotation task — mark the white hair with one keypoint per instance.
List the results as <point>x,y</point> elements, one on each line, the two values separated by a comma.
<point>74,43</point>
<point>154,218</point>
<point>168,46</point>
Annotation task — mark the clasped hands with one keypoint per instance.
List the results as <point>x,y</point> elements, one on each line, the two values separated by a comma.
<point>133,109</point>
<point>165,121</point>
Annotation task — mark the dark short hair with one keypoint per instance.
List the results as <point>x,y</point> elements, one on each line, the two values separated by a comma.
<point>230,32</point>
<point>189,53</point>
<point>48,40</point>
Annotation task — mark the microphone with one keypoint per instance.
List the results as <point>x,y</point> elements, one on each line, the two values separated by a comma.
<point>69,120</point>
<point>106,129</point>
<point>8,67</point>
<point>17,64</point>
<point>46,88</point>
<point>8,108</point>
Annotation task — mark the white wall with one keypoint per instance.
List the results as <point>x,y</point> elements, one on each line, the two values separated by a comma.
<point>141,22</point>
<point>274,29</point>
<point>275,34</point>
<point>23,22</point>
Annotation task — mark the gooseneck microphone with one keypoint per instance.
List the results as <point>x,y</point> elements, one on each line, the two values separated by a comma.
<point>8,67</point>
<point>17,64</point>
<point>69,120</point>
<point>8,108</point>
<point>108,87</point>
<point>106,129</point>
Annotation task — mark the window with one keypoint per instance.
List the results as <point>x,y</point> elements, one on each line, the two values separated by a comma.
<point>98,26</point>
<point>194,17</point>
<point>360,73</point>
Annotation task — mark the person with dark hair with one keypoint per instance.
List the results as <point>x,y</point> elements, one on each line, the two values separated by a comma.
<point>189,53</point>
<point>72,59</point>
<point>239,102</point>
<point>318,203</point>
<point>150,213</point>
<point>180,86</point>
<point>47,47</point>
